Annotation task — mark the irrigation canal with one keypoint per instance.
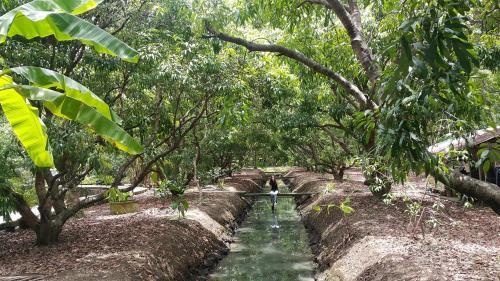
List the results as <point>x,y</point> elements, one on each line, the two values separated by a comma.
<point>271,246</point>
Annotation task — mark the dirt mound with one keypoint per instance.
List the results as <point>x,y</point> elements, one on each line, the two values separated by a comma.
<point>382,242</point>
<point>243,183</point>
<point>152,244</point>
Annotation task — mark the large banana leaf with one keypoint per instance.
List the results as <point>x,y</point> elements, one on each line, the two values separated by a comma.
<point>42,18</point>
<point>74,7</point>
<point>49,79</point>
<point>73,109</point>
<point>26,124</point>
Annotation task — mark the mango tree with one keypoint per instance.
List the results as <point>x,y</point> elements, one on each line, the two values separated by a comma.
<point>414,65</point>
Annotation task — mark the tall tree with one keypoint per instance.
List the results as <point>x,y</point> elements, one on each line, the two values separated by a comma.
<point>416,59</point>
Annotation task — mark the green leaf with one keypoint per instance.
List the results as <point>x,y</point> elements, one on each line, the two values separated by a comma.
<point>346,209</point>
<point>486,165</point>
<point>49,79</point>
<point>344,206</point>
<point>77,7</point>
<point>405,59</point>
<point>72,109</point>
<point>316,208</point>
<point>185,204</point>
<point>74,7</point>
<point>175,205</point>
<point>26,124</point>
<point>43,18</point>
<point>462,56</point>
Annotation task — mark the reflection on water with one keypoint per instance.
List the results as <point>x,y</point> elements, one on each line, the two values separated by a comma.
<point>268,246</point>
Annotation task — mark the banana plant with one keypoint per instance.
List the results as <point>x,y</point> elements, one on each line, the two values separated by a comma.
<point>60,95</point>
<point>42,18</point>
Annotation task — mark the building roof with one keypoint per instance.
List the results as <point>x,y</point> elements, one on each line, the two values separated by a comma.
<point>479,136</point>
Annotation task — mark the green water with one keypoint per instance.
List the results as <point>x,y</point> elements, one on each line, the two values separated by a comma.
<point>268,246</point>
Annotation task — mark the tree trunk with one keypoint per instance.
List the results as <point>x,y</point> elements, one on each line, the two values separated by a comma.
<point>48,232</point>
<point>484,191</point>
<point>339,174</point>
<point>255,159</point>
<point>28,219</point>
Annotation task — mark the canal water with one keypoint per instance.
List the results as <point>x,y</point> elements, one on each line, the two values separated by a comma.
<point>271,246</point>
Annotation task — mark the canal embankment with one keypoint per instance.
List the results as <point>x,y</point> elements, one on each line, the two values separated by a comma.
<point>381,241</point>
<point>152,244</point>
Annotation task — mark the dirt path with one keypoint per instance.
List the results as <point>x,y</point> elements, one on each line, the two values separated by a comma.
<point>151,244</point>
<point>379,242</point>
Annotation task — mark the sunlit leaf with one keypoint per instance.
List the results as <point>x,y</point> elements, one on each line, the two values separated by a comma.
<point>316,208</point>
<point>49,79</point>
<point>26,124</point>
<point>43,18</point>
<point>75,110</point>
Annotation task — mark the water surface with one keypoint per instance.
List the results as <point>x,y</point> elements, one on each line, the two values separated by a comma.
<point>268,246</point>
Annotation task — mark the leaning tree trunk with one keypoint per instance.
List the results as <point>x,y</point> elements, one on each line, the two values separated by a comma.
<point>484,191</point>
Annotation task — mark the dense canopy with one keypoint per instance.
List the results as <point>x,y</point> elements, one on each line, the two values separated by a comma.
<point>144,92</point>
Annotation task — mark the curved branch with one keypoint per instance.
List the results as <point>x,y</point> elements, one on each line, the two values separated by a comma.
<point>363,101</point>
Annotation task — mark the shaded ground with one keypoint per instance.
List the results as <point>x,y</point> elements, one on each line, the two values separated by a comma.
<point>152,244</point>
<point>384,242</point>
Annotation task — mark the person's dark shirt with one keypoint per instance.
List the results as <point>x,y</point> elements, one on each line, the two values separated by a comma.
<point>274,185</point>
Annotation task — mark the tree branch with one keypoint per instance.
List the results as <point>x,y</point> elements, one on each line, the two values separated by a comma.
<point>352,23</point>
<point>336,140</point>
<point>297,56</point>
<point>318,2</point>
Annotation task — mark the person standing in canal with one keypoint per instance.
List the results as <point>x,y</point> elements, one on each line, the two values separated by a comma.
<point>274,191</point>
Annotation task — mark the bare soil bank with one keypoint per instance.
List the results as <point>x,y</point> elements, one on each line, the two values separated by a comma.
<point>379,242</point>
<point>152,244</point>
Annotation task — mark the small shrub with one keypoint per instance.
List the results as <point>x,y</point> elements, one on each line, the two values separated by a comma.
<point>115,195</point>
<point>176,189</point>
<point>343,206</point>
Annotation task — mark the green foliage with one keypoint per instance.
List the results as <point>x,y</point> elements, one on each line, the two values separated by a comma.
<point>430,83</point>
<point>115,195</point>
<point>7,205</point>
<point>389,198</point>
<point>72,109</point>
<point>42,18</point>
<point>74,101</point>
<point>343,206</point>
<point>176,188</point>
<point>413,209</point>
<point>26,124</point>
<point>488,153</point>
<point>180,205</point>
<point>12,178</point>
<point>205,108</point>
<point>46,78</point>
<point>375,171</point>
